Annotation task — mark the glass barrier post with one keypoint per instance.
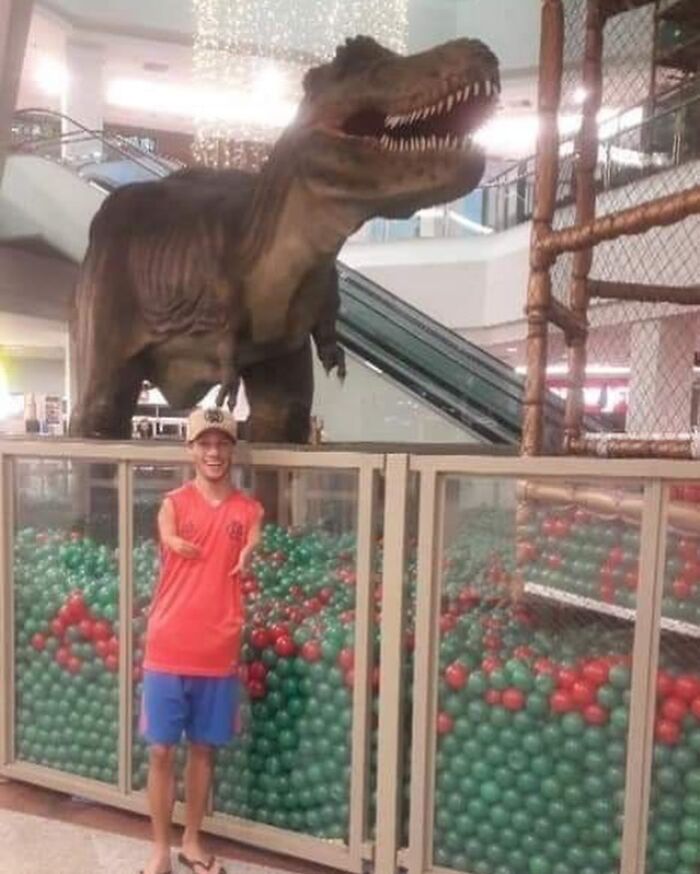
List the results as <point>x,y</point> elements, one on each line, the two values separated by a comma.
<point>645,658</point>
<point>125,484</point>
<point>364,652</point>
<point>391,676</point>
<point>422,753</point>
<point>7,642</point>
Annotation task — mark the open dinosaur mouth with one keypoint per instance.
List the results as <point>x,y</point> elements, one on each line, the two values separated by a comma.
<point>445,124</point>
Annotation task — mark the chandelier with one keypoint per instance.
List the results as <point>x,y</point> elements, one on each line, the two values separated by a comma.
<point>250,57</point>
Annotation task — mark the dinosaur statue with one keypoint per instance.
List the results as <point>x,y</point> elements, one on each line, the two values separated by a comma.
<point>211,276</point>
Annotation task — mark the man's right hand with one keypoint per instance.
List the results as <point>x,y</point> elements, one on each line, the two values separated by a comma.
<point>183,547</point>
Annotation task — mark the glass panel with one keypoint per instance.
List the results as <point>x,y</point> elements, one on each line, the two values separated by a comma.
<point>66,596</point>
<point>290,767</point>
<point>534,675</point>
<point>151,483</point>
<point>673,843</point>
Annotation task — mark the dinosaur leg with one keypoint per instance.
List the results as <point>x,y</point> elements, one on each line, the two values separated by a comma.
<point>280,392</point>
<point>107,402</point>
<point>230,377</point>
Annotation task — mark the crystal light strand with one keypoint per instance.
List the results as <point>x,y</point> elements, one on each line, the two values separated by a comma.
<point>239,41</point>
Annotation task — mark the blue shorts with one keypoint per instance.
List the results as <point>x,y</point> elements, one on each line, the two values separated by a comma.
<point>205,709</point>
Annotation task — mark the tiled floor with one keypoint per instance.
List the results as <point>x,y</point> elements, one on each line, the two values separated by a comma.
<point>44,831</point>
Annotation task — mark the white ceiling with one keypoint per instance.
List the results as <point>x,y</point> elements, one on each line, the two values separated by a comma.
<point>136,17</point>
<point>152,39</point>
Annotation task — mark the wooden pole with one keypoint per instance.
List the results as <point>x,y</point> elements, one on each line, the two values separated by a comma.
<point>546,173</point>
<point>568,322</point>
<point>621,446</point>
<point>611,8</point>
<point>684,295</point>
<point>609,503</point>
<point>586,164</point>
<point>636,220</point>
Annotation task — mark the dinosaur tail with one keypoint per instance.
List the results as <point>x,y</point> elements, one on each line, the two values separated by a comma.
<point>83,349</point>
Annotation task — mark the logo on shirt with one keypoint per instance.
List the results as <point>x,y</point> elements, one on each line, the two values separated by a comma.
<point>235,530</point>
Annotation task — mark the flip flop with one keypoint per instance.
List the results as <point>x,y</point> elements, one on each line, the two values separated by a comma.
<point>197,866</point>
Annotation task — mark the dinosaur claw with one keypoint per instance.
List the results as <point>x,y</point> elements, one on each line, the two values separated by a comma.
<point>228,393</point>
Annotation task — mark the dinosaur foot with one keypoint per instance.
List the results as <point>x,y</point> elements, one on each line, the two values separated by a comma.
<point>228,393</point>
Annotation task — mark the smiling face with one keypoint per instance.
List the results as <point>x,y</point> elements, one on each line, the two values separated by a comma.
<point>395,133</point>
<point>212,455</point>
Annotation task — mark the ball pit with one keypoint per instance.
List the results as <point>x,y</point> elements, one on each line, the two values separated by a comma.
<point>533,698</point>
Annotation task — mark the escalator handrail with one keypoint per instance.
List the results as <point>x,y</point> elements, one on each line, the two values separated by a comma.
<point>471,385</point>
<point>490,370</point>
<point>146,160</point>
<point>473,417</point>
<point>491,367</point>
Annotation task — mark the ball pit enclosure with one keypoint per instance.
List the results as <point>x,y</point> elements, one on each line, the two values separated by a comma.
<point>485,665</point>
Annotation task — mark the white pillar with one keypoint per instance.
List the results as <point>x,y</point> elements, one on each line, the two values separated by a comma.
<point>15,17</point>
<point>662,353</point>
<point>83,99</point>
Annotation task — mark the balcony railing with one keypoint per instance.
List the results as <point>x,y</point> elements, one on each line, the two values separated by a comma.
<point>631,148</point>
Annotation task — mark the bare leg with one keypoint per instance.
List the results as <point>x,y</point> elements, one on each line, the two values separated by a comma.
<point>198,776</point>
<point>161,797</point>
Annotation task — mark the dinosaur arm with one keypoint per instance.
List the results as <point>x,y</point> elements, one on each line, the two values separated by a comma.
<point>330,353</point>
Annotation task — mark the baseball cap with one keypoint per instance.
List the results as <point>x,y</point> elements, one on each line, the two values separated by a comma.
<point>210,419</point>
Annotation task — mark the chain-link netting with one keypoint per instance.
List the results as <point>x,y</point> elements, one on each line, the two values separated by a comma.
<point>628,41</point>
<point>648,148</point>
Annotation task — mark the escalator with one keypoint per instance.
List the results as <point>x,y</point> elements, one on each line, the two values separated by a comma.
<point>453,375</point>
<point>438,369</point>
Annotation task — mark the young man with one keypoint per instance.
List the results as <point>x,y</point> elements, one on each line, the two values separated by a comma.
<point>207,531</point>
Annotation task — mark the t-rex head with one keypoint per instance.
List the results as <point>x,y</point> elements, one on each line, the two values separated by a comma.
<point>393,133</point>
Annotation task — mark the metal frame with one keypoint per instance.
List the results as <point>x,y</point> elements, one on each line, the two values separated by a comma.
<point>390,731</point>
<point>7,612</point>
<point>656,477</point>
<point>384,850</point>
<point>645,657</point>
<point>350,857</point>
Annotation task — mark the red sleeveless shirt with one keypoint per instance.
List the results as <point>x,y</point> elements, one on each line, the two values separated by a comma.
<point>196,619</point>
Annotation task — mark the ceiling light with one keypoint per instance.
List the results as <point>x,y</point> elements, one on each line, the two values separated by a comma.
<point>231,107</point>
<point>51,76</point>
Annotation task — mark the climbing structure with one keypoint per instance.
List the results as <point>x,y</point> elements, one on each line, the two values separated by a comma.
<point>614,270</point>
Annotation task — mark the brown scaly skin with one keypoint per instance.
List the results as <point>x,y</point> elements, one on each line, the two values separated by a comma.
<point>211,276</point>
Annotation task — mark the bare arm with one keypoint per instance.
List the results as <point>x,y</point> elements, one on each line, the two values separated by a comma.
<point>250,544</point>
<point>167,529</point>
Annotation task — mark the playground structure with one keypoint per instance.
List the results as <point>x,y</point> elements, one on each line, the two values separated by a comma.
<point>645,230</point>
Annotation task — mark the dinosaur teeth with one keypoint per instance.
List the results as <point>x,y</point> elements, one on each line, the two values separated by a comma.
<point>476,89</point>
<point>450,101</point>
<point>487,88</point>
